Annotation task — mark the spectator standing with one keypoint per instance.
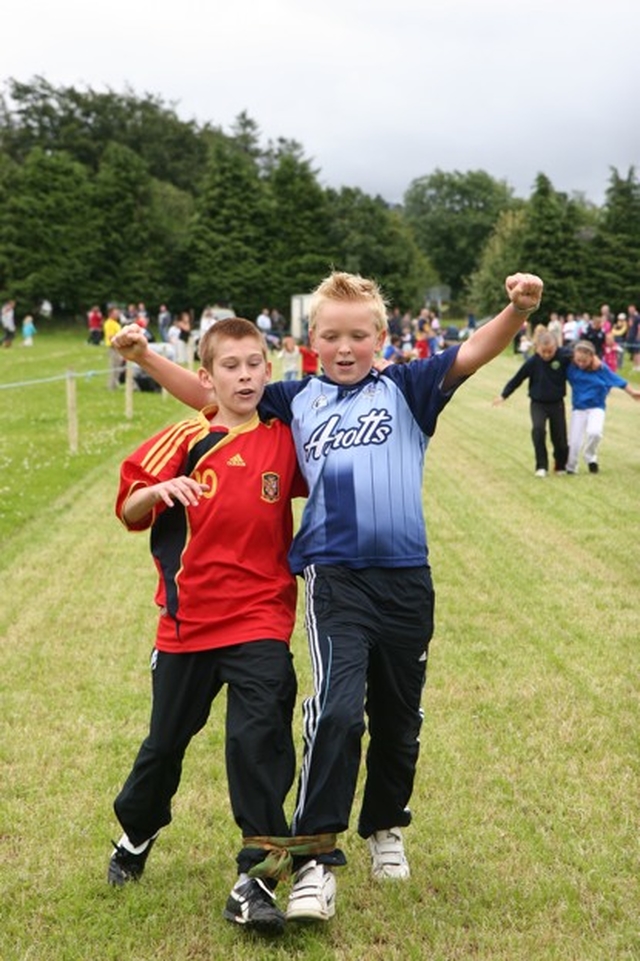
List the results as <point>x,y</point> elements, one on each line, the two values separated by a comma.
<point>309,360</point>
<point>606,316</point>
<point>555,327</point>
<point>394,322</point>
<point>164,323</point>
<point>95,321</point>
<point>408,339</point>
<point>422,347</point>
<point>612,352</point>
<point>570,330</point>
<point>619,331</point>
<point>110,328</point>
<point>633,336</point>
<point>178,336</point>
<point>28,331</point>
<point>278,324</point>
<point>290,356</point>
<point>595,333</point>
<point>8,323</point>
<point>522,342</point>
<point>265,325</point>
<point>392,350</point>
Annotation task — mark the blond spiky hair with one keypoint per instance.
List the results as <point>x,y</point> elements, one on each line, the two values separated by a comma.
<point>341,286</point>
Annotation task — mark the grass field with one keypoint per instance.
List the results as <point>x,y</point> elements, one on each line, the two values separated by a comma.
<point>524,845</point>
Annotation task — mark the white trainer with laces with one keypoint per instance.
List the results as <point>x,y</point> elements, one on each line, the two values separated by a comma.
<point>313,894</point>
<point>387,855</point>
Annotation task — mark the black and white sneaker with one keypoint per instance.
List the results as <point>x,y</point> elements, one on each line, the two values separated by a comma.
<point>252,903</point>
<point>125,866</point>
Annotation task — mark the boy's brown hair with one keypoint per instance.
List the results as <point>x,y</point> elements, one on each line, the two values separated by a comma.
<point>235,328</point>
<point>341,286</point>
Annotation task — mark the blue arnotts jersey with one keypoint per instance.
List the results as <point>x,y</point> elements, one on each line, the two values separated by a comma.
<point>361,449</point>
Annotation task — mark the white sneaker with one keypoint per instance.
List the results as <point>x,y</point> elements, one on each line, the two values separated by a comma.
<point>387,855</point>
<point>313,895</point>
<point>541,472</point>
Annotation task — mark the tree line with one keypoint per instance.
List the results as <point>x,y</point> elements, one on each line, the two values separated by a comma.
<point>112,197</point>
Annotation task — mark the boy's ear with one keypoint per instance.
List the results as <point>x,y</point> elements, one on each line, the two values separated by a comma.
<point>205,378</point>
<point>269,371</point>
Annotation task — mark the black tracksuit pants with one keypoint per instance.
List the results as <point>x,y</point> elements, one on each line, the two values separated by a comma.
<point>554,412</point>
<point>260,755</point>
<point>368,633</point>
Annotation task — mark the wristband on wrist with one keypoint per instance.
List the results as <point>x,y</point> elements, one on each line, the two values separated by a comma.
<point>525,311</point>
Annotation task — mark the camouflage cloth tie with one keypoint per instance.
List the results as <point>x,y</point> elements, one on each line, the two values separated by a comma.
<point>278,863</point>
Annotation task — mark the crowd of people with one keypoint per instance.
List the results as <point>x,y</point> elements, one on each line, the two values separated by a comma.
<point>9,327</point>
<point>9,322</point>
<point>613,336</point>
<point>177,336</point>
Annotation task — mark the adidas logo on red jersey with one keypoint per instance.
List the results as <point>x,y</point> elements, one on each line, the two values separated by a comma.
<point>236,461</point>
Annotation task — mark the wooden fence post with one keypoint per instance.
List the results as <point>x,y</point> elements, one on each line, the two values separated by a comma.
<point>128,391</point>
<point>72,412</point>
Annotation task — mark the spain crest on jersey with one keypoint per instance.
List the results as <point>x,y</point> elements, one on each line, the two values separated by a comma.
<point>270,487</point>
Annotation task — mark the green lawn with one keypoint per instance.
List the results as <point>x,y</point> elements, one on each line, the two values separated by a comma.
<point>524,845</point>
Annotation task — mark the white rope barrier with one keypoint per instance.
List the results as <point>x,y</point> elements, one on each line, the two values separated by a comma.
<point>71,377</point>
<point>50,380</point>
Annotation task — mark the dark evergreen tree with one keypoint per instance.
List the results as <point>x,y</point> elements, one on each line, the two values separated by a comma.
<point>298,250</point>
<point>553,247</point>
<point>229,235</point>
<point>170,215</point>
<point>9,176</point>
<point>47,240</point>
<point>615,261</point>
<point>122,224</point>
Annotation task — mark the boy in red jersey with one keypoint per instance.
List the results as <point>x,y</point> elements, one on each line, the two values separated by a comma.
<point>216,493</point>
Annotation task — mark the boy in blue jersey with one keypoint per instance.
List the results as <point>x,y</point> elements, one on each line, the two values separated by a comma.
<point>361,438</point>
<point>590,384</point>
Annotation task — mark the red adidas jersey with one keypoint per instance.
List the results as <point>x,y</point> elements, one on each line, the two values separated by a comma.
<point>223,572</point>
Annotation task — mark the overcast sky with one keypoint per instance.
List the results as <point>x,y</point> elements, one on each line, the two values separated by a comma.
<point>378,92</point>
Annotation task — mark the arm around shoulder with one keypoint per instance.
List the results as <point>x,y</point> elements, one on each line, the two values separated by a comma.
<point>132,344</point>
